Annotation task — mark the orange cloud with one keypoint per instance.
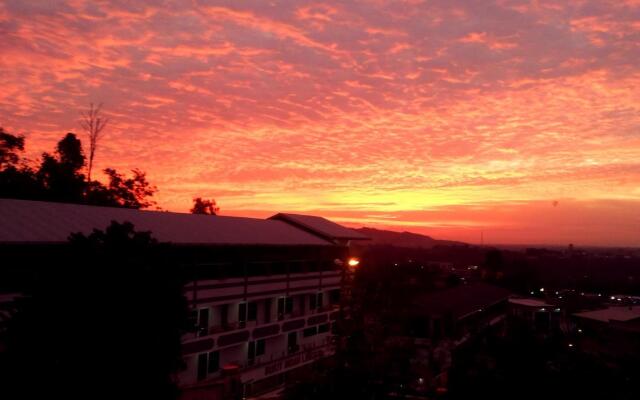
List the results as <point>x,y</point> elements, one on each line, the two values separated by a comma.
<point>439,118</point>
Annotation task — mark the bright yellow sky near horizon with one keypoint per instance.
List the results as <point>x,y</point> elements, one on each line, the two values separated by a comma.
<point>449,118</point>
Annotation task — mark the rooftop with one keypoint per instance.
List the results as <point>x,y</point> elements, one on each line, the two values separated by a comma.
<point>620,314</point>
<point>320,226</point>
<point>26,221</point>
<point>528,302</point>
<point>461,300</point>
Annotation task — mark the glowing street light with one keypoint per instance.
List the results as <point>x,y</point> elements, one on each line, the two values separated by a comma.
<point>353,262</point>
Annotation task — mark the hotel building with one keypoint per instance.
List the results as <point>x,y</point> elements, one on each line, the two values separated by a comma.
<point>264,294</point>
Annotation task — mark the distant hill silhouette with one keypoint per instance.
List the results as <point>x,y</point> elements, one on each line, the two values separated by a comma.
<point>403,239</point>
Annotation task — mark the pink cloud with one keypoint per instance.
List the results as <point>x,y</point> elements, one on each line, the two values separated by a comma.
<point>372,107</point>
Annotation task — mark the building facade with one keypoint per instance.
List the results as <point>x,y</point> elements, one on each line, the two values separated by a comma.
<point>264,295</point>
<point>255,331</point>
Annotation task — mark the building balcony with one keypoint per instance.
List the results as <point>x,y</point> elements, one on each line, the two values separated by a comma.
<point>223,290</point>
<point>269,364</point>
<point>235,333</point>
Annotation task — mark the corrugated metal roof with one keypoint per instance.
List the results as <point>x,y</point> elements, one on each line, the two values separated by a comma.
<point>320,226</point>
<point>612,314</point>
<point>25,221</point>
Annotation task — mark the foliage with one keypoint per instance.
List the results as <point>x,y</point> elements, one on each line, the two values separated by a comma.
<point>10,146</point>
<point>59,174</point>
<point>59,177</point>
<point>104,322</point>
<point>130,192</point>
<point>204,206</point>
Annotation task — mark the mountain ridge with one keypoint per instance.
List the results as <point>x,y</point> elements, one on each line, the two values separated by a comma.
<point>403,239</point>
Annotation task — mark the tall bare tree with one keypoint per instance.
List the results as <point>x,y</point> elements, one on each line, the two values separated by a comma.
<point>93,123</point>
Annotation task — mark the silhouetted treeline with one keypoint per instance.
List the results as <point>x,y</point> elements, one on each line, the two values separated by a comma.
<point>103,319</point>
<point>59,176</point>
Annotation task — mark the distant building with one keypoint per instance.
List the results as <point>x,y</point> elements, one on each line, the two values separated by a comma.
<point>263,296</point>
<point>539,314</point>
<point>443,320</point>
<point>454,313</point>
<point>612,332</point>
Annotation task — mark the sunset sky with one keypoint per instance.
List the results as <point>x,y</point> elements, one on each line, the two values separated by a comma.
<point>519,119</point>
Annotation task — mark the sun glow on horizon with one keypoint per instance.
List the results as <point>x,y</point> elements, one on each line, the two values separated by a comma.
<point>518,120</point>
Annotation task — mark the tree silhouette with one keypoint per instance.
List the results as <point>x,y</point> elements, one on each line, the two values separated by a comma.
<point>130,192</point>
<point>204,206</point>
<point>10,146</point>
<point>103,320</point>
<point>59,177</point>
<point>17,180</point>
<point>59,174</point>
<point>93,123</point>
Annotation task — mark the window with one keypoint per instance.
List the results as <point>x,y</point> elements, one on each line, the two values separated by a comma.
<point>278,268</point>
<point>296,267</point>
<point>312,301</point>
<point>288,305</point>
<point>328,265</point>
<point>292,342</point>
<point>255,349</point>
<point>281,308</point>
<point>238,270</point>
<point>314,266</point>
<point>267,311</point>
<point>320,300</point>
<point>310,331</point>
<point>252,312</point>
<point>324,328</point>
<point>303,300</point>
<point>257,269</point>
<point>193,320</point>
<point>202,366</point>
<point>214,362</point>
<point>260,347</point>
<point>251,351</point>
<point>334,296</point>
<point>203,322</point>
<point>242,312</point>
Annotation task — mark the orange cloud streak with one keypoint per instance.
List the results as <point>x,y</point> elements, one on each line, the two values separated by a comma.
<point>446,118</point>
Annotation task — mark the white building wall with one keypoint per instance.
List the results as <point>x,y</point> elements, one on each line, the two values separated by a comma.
<point>276,358</point>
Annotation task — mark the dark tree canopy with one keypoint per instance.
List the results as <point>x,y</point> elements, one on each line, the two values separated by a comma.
<point>59,174</point>
<point>60,177</point>
<point>16,178</point>
<point>104,321</point>
<point>131,192</point>
<point>70,154</point>
<point>10,147</point>
<point>204,206</point>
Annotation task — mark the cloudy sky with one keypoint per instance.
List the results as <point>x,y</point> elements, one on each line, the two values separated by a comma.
<point>517,118</point>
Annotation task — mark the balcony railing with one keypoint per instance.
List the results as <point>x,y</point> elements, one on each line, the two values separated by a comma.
<point>264,360</point>
<point>259,361</point>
